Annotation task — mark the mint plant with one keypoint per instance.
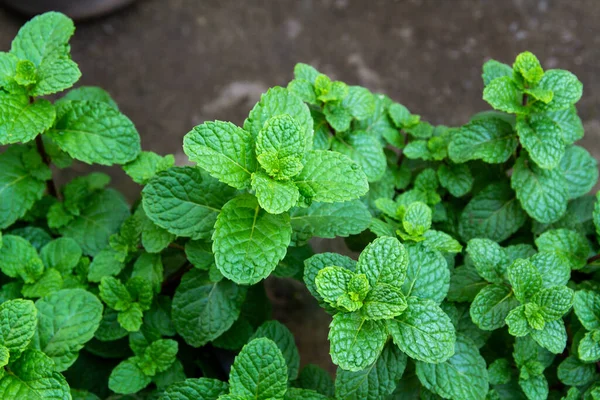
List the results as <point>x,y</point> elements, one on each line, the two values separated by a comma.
<point>477,273</point>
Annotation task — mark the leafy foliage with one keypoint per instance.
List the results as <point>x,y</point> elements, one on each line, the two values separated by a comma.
<point>477,274</point>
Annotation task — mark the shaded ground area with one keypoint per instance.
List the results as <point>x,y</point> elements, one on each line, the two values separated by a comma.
<point>172,64</point>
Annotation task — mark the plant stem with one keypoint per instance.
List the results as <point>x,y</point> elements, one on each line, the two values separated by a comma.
<point>50,184</point>
<point>594,258</point>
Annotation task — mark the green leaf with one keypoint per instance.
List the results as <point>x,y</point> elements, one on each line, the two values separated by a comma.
<point>303,89</point>
<point>22,120</point>
<point>580,170</point>
<point>499,372</point>
<point>365,150</point>
<point>441,241</point>
<point>259,371</point>
<point>566,87</point>
<point>555,269</point>
<point>305,72</point>
<point>427,276</point>
<point>525,280</point>
<point>374,382</point>
<point>90,93</point>
<point>315,378</point>
<point>95,133</point>
<point>316,263</point>
<point>54,76</point>
<point>465,283</point>
<point>417,219</point>
<point>384,302</point>
<point>248,242</point>
<point>284,339</point>
<point>491,306</point>
<point>378,123</point>
<point>114,293</point>
<point>554,302</point>
<point>18,321</point>
<point>573,372</point>
<point>491,140</point>
<point>528,66</point>
<point>534,387</point>
<point>273,196</point>
<point>106,263</point>
<point>503,95</point>
<point>67,319</point>
<point>50,282</point>
<point>589,347</point>
<point>131,318</point>
<point>553,337</point>
<point>330,220</point>
<point>158,356</point>
<point>331,177</point>
<point>462,376</point>
<point>195,389</point>
<point>385,260</point>
<point>494,213</point>
<point>63,254</point>
<point>128,377</point>
<point>541,137</point>
<point>149,267</point>
<point>99,218</point>
<point>278,101</point>
<point>222,149</point>
<point>586,305</point>
<point>567,244</point>
<point>281,135</point>
<point>493,69</point>
<point>146,165</point>
<point>360,102</point>
<point>543,193</point>
<point>18,258</point>
<point>8,68</point>
<point>569,123</point>
<point>19,186</point>
<point>489,258</point>
<point>303,394</point>
<point>33,377</point>
<point>202,310</point>
<point>355,341</point>
<point>457,178</point>
<point>424,332</point>
<point>185,201</point>
<point>332,283</point>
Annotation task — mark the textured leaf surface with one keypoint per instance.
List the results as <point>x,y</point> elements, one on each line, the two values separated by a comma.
<point>525,280</point>
<point>274,196</point>
<point>18,320</point>
<point>146,165</point>
<point>355,342</point>
<point>553,337</point>
<point>567,244</point>
<point>491,306</point>
<point>202,310</point>
<point>541,137</point>
<point>427,276</point>
<point>18,258</point>
<point>284,339</point>
<point>457,178</point>
<point>491,140</point>
<point>573,372</point>
<point>185,201</point>
<point>384,302</point>
<point>128,378</point>
<point>566,87</point>
<point>259,371</point>
<point>316,263</point>
<point>385,260</point>
<point>424,332</point>
<point>503,94</point>
<point>67,320</point>
<point>366,151</point>
<point>223,150</point>
<point>95,133</point>
<point>493,69</point>
<point>249,242</point>
<point>195,389</point>
<point>462,376</point>
<point>489,259</point>
<point>589,347</point>
<point>587,308</point>
<point>580,170</point>
<point>20,120</point>
<point>63,254</point>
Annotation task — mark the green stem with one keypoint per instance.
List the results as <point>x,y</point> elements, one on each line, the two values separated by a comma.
<point>50,184</point>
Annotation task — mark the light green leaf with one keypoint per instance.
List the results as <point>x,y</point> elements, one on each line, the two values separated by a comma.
<point>489,258</point>
<point>33,377</point>
<point>99,218</point>
<point>360,102</point>
<point>566,87</point>
<point>185,201</point>
<point>462,376</point>
<point>491,306</point>
<point>158,356</point>
<point>222,149</point>
<point>128,378</point>
<point>22,120</point>
<point>385,260</point>
<point>494,213</point>
<point>525,280</point>
<point>534,387</point>
<point>554,302</point>
<point>95,133</point>
<point>50,282</point>
<point>580,170</point>
<point>491,140</point>
<point>441,241</point>
<point>281,135</point>
<point>248,242</point>
<point>528,66</point>
<point>465,283</point>
<point>63,254</point>
<point>499,372</point>
<point>284,339</point>
<point>275,197</point>
<point>8,68</point>
<point>555,269</point>
<point>457,178</point>
<point>149,267</point>
<point>146,165</point>
<point>55,75</point>
<point>384,301</point>
<point>543,193</point>
<point>131,318</point>
<point>569,245</point>
<point>573,372</point>
<point>154,238</point>
<point>303,89</point>
<point>90,93</point>
<point>332,283</point>
<point>553,337</point>
<point>18,258</point>
<point>305,72</point>
<point>427,276</point>
<point>569,122</point>
<point>331,177</point>
<point>587,308</point>
<point>493,69</point>
<point>401,116</point>
<point>106,263</point>
<point>365,150</point>
<point>202,310</point>
<point>503,95</point>
<point>374,382</point>
<point>316,263</point>
<point>378,123</point>
<point>67,319</point>
<point>195,389</point>
<point>417,219</point>
<point>541,137</point>
<point>18,320</point>
<point>114,293</point>
<point>278,101</point>
<point>424,332</point>
<point>355,342</point>
<point>518,321</point>
<point>259,372</point>
<point>589,347</point>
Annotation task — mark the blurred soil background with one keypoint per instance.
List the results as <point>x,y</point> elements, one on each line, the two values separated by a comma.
<point>173,64</point>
